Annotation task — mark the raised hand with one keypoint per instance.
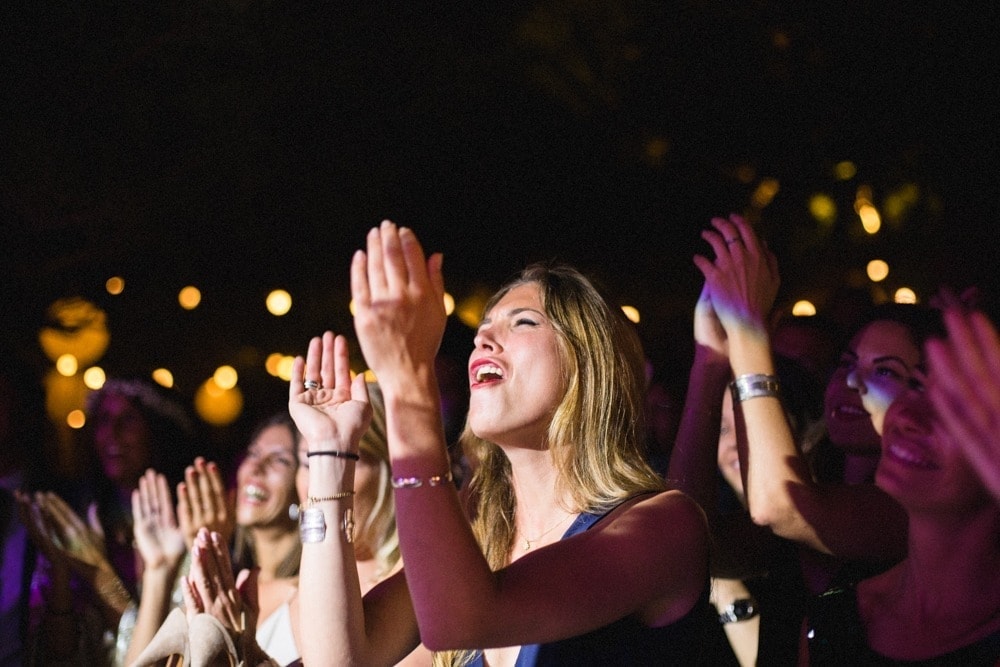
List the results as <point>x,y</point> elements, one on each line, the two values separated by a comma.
<point>332,412</point>
<point>964,388</point>
<point>398,296</point>
<point>202,502</point>
<point>743,278</point>
<point>708,330</point>
<point>158,538</point>
<point>68,538</point>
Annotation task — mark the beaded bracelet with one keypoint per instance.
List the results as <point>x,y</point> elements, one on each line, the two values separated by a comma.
<point>415,482</point>
<point>755,385</point>
<point>332,452</point>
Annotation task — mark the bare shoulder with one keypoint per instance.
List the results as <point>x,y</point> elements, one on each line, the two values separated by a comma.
<point>669,506</point>
<point>665,516</point>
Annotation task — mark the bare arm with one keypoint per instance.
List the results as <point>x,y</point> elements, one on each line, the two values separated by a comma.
<point>459,601</point>
<point>780,492</point>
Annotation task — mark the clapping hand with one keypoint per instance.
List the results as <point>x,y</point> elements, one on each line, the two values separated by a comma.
<point>964,389</point>
<point>202,502</point>
<point>398,297</point>
<point>329,409</point>
<point>158,538</point>
<point>743,279</point>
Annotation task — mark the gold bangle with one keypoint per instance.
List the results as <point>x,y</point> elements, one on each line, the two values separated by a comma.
<point>337,496</point>
<point>416,482</point>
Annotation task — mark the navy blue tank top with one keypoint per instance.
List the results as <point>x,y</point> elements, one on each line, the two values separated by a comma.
<point>627,641</point>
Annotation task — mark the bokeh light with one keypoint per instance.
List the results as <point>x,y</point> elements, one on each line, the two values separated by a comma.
<point>189,297</point>
<point>845,170</point>
<point>803,308</point>
<point>76,419</point>
<point>870,218</point>
<point>449,304</point>
<point>163,377</point>
<point>76,326</point>
<point>218,406</point>
<point>115,285</point>
<point>905,295</point>
<point>823,208</point>
<point>225,377</point>
<point>877,270</point>
<point>285,368</point>
<point>632,313</point>
<point>279,302</point>
<point>67,365</point>
<point>94,377</point>
<point>765,192</point>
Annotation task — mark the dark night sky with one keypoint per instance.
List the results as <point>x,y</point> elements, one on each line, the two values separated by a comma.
<point>245,145</point>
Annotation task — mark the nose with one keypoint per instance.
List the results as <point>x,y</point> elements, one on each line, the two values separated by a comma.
<point>855,382</point>
<point>486,339</point>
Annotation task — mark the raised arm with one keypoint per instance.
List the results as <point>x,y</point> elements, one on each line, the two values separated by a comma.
<point>780,493</point>
<point>161,544</point>
<point>336,627</point>
<point>964,388</point>
<point>459,601</point>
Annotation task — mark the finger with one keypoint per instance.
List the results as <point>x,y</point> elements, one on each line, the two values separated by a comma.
<point>360,292</point>
<point>341,370</point>
<point>746,233</point>
<point>222,561</point>
<point>205,495</point>
<point>328,368</point>
<point>193,497</point>
<point>393,261</point>
<point>717,242</point>
<point>217,491</point>
<point>165,502</point>
<point>707,267</point>
<point>359,389</point>
<point>94,521</point>
<point>193,604</point>
<point>295,390</point>
<point>314,361</point>
<point>434,266</point>
<point>376,270</point>
<point>412,255</point>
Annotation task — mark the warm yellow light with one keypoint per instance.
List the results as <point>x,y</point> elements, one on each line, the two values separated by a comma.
<point>163,377</point>
<point>67,365</point>
<point>803,308</point>
<point>870,219</point>
<point>765,192</point>
<point>449,304</point>
<point>285,368</point>
<point>905,295</point>
<point>823,208</point>
<point>272,362</point>
<point>279,302</point>
<point>225,377</point>
<point>216,405</point>
<point>189,297</point>
<point>370,375</point>
<point>844,171</point>
<point>76,419</point>
<point>632,313</point>
<point>115,285</point>
<point>878,270</point>
<point>470,309</point>
<point>76,326</point>
<point>94,377</point>
<point>745,173</point>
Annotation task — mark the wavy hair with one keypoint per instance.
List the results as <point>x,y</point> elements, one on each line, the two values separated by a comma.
<point>379,528</point>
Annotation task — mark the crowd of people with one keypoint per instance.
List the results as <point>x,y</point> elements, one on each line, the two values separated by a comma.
<point>802,515</point>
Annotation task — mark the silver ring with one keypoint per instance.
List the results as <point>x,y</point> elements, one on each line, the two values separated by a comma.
<point>735,240</point>
<point>311,384</point>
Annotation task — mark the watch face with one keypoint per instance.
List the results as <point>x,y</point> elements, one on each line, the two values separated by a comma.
<point>742,608</point>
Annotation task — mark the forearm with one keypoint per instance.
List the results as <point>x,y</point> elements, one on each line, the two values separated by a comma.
<point>111,592</point>
<point>693,461</point>
<point>435,538</point>
<point>154,605</point>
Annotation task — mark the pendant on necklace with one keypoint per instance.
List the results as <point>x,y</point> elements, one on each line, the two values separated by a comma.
<point>527,545</point>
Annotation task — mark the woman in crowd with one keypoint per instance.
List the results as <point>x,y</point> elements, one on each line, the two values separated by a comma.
<point>941,604</point>
<point>556,411</point>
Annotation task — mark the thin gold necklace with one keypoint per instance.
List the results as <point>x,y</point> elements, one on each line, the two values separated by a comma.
<point>528,543</point>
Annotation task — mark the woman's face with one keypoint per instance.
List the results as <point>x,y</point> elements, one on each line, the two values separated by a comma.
<point>515,371</point>
<point>728,458</point>
<point>920,466</point>
<point>266,479</point>
<point>874,369</point>
<point>122,440</point>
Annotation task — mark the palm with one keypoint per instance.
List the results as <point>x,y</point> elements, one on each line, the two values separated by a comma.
<point>159,543</point>
<point>329,416</point>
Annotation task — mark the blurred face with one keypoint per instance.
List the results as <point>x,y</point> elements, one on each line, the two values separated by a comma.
<point>266,479</point>
<point>515,371</point>
<point>729,460</point>
<point>920,466</point>
<point>874,369</point>
<point>122,440</point>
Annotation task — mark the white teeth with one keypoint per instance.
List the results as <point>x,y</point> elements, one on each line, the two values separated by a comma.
<point>910,457</point>
<point>254,492</point>
<point>488,372</point>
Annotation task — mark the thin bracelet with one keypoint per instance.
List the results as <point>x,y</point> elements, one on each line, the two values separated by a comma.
<point>415,482</point>
<point>337,496</point>
<point>333,452</point>
<point>755,385</point>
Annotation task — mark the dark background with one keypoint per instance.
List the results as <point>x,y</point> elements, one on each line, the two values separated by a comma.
<point>245,145</point>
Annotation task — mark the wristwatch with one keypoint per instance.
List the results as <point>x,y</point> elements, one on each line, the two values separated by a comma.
<point>739,610</point>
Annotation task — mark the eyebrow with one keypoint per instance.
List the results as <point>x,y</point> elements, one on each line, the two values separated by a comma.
<point>513,313</point>
<point>890,357</point>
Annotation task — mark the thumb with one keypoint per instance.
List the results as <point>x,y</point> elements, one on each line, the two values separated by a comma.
<point>246,584</point>
<point>94,520</point>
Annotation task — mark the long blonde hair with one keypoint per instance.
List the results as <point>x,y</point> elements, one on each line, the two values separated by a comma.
<point>597,431</point>
<point>379,529</point>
